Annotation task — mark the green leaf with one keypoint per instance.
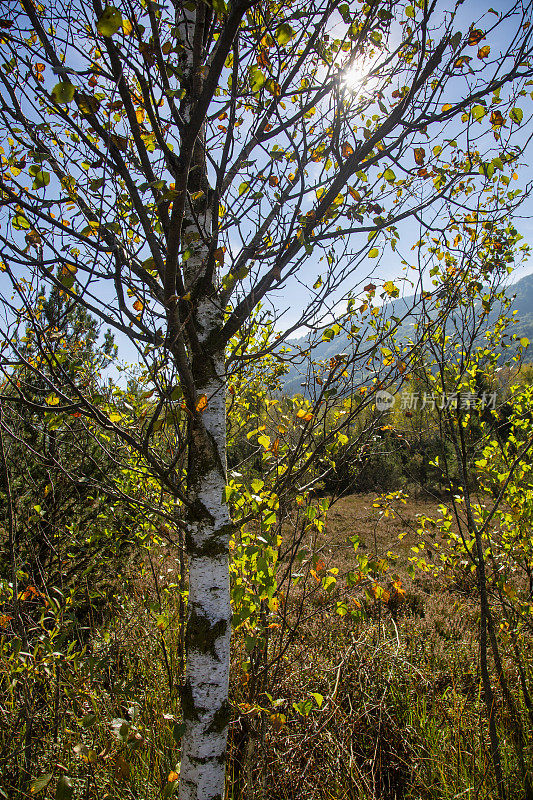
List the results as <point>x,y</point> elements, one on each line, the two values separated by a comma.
<point>455,41</point>
<point>410,12</point>
<point>374,253</point>
<point>64,788</point>
<point>170,789</point>
<point>284,33</point>
<point>524,341</point>
<point>517,115</point>
<point>109,22</point>
<point>20,223</point>
<point>40,178</point>
<point>257,79</point>
<point>41,783</point>
<point>319,698</point>
<point>67,279</point>
<point>63,92</point>
<point>178,729</point>
<point>220,7</point>
<point>389,175</point>
<point>244,187</point>
<point>478,112</point>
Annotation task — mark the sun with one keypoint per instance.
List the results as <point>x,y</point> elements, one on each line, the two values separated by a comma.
<point>354,76</point>
<point>357,77</point>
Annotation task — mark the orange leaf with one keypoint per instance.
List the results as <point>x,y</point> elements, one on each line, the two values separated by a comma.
<point>475,36</point>
<point>483,51</point>
<point>496,119</point>
<point>138,306</point>
<point>420,155</point>
<point>347,150</point>
<point>262,59</point>
<point>277,721</point>
<point>273,180</point>
<point>398,588</point>
<point>172,776</point>
<point>201,405</point>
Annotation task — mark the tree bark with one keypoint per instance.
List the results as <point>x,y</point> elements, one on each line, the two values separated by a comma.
<point>205,693</point>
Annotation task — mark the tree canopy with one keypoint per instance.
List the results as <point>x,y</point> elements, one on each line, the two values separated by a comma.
<point>170,166</point>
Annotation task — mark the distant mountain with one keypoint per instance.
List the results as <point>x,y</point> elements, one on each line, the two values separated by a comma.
<point>522,291</point>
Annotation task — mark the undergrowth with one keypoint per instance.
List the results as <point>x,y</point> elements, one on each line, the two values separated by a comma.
<point>384,704</point>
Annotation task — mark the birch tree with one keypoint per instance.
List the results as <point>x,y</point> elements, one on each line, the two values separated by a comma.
<point>172,166</point>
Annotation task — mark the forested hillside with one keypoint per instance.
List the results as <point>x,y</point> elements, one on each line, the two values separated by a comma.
<point>521,294</point>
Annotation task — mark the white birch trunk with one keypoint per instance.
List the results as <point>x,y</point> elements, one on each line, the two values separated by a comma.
<point>204,695</point>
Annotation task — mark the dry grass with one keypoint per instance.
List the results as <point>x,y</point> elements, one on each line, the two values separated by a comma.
<point>395,710</point>
<point>402,715</point>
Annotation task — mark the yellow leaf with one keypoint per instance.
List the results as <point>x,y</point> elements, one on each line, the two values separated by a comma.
<point>52,400</point>
<point>264,441</point>
<point>127,27</point>
<point>139,113</point>
<point>446,107</point>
